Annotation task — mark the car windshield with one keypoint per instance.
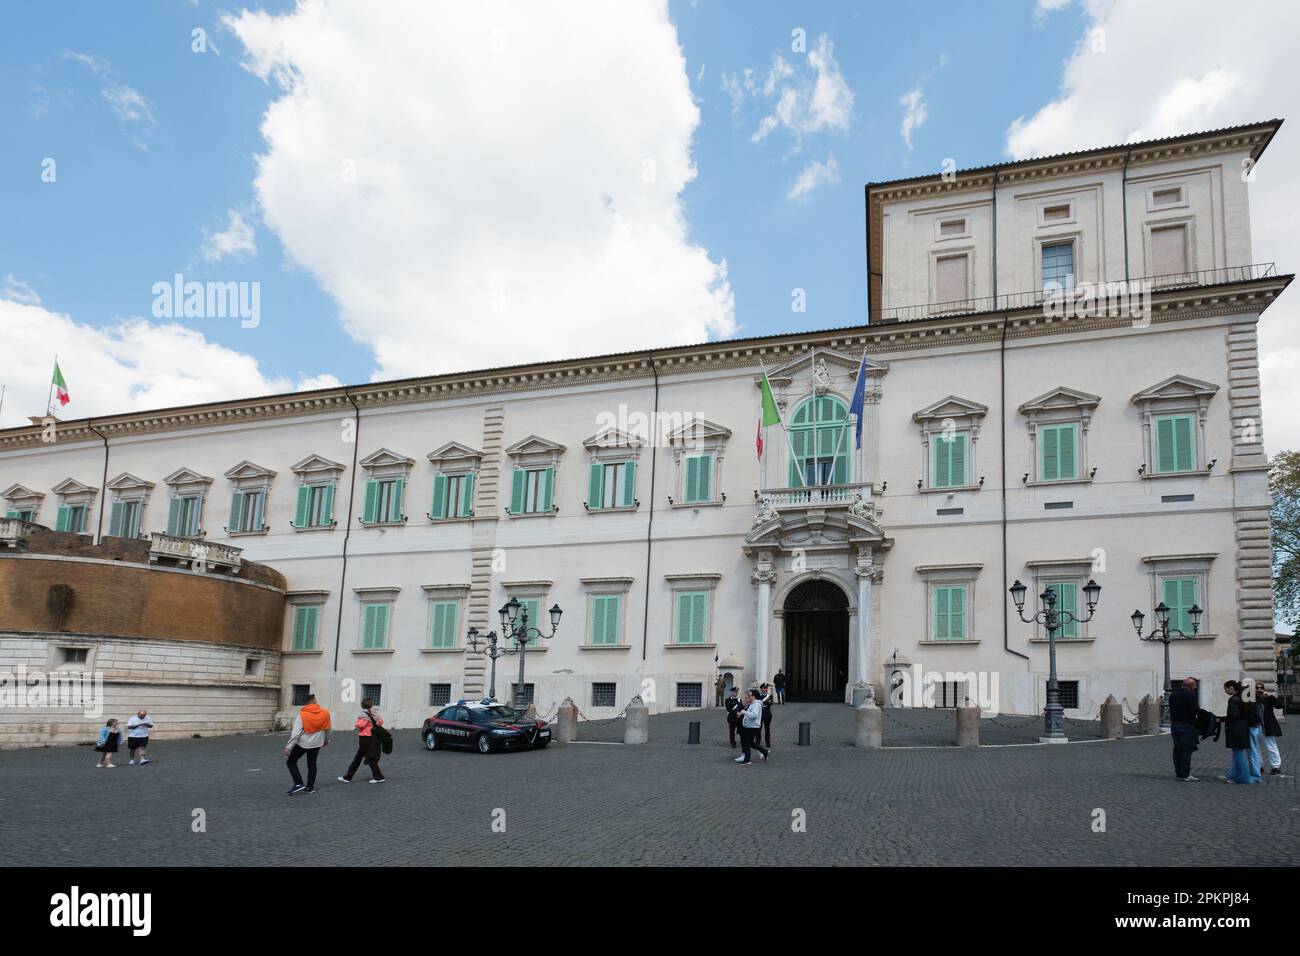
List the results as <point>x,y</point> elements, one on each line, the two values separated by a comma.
<point>498,712</point>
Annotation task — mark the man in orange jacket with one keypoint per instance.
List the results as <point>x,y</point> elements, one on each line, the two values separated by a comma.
<point>311,732</point>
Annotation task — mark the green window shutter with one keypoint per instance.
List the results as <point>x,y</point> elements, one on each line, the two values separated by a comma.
<point>840,473</point>
<point>115,521</point>
<point>444,624</point>
<point>957,614</point>
<point>1066,442</point>
<point>1179,596</point>
<point>302,513</point>
<point>595,483</point>
<point>629,484</point>
<point>327,507</point>
<point>699,617</point>
<point>1183,457</point>
<point>1167,454</point>
<point>236,511</point>
<point>1067,599</point>
<point>941,614</point>
<point>299,621</point>
<point>259,506</point>
<point>548,482</point>
<point>375,632</point>
<point>439,509</point>
<point>11,513</point>
<point>305,620</point>
<point>372,502</point>
<point>63,519</point>
<point>79,521</point>
<point>958,468</point>
<point>689,492</point>
<point>174,516</point>
<point>685,605</point>
<point>704,479</point>
<point>467,496</point>
<point>1051,466</point>
<point>604,619</point>
<point>399,487</point>
<point>942,463</point>
<point>518,489</point>
<point>799,442</point>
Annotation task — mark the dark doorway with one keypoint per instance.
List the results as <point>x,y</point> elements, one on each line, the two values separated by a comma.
<point>816,642</point>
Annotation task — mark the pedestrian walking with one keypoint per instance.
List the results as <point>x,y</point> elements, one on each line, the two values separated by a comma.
<point>734,709</point>
<point>750,727</point>
<point>1184,707</point>
<point>778,682</point>
<point>1236,735</point>
<point>765,698</point>
<point>311,732</point>
<point>137,737</point>
<point>106,746</point>
<point>369,747</point>
<point>1272,729</point>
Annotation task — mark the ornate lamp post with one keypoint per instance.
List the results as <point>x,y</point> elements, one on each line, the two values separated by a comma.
<point>1052,619</point>
<point>1164,633</point>
<point>492,650</point>
<point>514,627</point>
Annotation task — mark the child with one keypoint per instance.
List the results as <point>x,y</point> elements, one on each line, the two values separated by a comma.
<point>107,745</point>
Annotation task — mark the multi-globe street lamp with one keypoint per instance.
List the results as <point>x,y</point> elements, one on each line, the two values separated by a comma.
<point>514,629</point>
<point>1163,633</point>
<point>1053,620</point>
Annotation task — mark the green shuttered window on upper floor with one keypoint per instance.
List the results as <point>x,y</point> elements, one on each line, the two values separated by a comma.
<point>1058,452</point>
<point>374,625</point>
<point>306,620</point>
<point>606,619</point>
<point>453,496</point>
<point>1179,594</point>
<point>950,453</point>
<point>610,485</point>
<point>531,491</point>
<point>383,501</point>
<point>315,507</point>
<point>692,617</point>
<point>246,511</point>
<point>443,624</point>
<point>71,518</point>
<point>699,479</point>
<point>1175,438</point>
<point>950,613</point>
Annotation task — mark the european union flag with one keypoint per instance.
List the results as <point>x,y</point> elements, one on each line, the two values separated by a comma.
<point>859,396</point>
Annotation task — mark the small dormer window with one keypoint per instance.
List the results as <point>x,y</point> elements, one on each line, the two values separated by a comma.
<point>952,228</point>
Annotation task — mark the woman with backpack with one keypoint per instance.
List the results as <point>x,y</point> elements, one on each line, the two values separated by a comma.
<point>1236,735</point>
<point>371,738</point>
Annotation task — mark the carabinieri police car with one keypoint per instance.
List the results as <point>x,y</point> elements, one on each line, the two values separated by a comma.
<point>484,725</point>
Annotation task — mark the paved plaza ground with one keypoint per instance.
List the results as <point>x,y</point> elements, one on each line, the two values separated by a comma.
<point>592,802</point>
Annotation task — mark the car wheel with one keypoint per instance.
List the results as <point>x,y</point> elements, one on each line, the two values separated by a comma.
<point>484,744</point>
<point>430,740</point>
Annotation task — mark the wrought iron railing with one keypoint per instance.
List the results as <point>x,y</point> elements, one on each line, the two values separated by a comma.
<point>1039,298</point>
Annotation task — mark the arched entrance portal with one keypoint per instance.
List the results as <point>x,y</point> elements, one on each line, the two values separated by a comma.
<point>816,642</point>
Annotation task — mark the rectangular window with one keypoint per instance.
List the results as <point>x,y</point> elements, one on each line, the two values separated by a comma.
<point>246,511</point>
<point>439,695</point>
<point>950,613</point>
<point>1058,213</point>
<point>1068,691</point>
<point>1169,251</point>
<point>299,694</point>
<point>690,695</point>
<point>699,479</point>
<point>692,617</point>
<point>71,518</point>
<point>1179,596</point>
<point>1058,266</point>
<point>604,695</point>
<point>1067,599</point>
<point>315,506</point>
<point>530,491</point>
<point>183,516</point>
<point>527,695</point>
<point>950,456</point>
<point>374,625</point>
<point>612,485</point>
<point>952,227</point>
<point>1167,197</point>
<point>951,279</point>
<point>947,693</point>
<point>1175,444</point>
<point>373,692</point>
<point>125,519</point>
<point>306,619</point>
<point>75,655</point>
<point>453,496</point>
<point>605,618</point>
<point>533,607</point>
<point>1058,450</point>
<point>443,628</point>
<point>383,501</point>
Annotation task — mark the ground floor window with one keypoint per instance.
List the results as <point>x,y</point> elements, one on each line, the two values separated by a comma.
<point>372,692</point>
<point>439,695</point>
<point>604,695</point>
<point>690,695</point>
<point>299,693</point>
<point>1068,691</point>
<point>527,695</point>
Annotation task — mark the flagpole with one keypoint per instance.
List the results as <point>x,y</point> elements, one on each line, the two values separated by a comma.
<point>789,442</point>
<point>847,416</point>
<point>49,398</point>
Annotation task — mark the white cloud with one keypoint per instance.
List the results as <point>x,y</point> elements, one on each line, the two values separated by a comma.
<point>914,114</point>
<point>814,174</point>
<point>129,365</point>
<point>1045,8</point>
<point>486,202</point>
<point>16,290</point>
<point>1154,70</point>
<point>133,111</point>
<point>311,382</point>
<point>236,239</point>
<point>812,99</point>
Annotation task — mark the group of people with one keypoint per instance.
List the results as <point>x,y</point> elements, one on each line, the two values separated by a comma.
<point>311,733</point>
<point>778,685</point>
<point>137,739</point>
<point>1250,728</point>
<point>752,718</point>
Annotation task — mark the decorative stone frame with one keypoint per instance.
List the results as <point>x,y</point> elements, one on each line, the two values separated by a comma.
<point>1196,565</point>
<point>372,596</point>
<point>454,460</point>
<point>445,593</point>
<point>386,465</point>
<point>22,498</point>
<point>187,483</point>
<point>57,646</point>
<point>247,476</point>
<point>127,488</point>
<point>1152,188</point>
<point>1188,223</point>
<point>969,252</point>
<point>941,220</point>
<point>698,437</point>
<point>316,470</point>
<point>531,453</point>
<point>74,494</point>
<point>304,598</point>
<point>1052,202</point>
<point>538,588</point>
<point>705,581</point>
<point>612,446</point>
<point>1060,406</point>
<point>949,575</point>
<point>1075,239</point>
<point>601,587</point>
<point>1076,571</point>
<point>1175,395</point>
<point>966,416</point>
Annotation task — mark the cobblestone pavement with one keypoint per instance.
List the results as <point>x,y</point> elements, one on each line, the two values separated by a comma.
<point>662,803</point>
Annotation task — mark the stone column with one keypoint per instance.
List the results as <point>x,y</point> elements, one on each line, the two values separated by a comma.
<point>763,576</point>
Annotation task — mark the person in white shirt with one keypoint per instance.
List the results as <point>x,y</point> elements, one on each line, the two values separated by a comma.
<point>137,736</point>
<point>751,725</point>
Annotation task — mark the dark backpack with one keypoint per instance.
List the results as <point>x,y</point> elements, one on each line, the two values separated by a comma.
<point>382,735</point>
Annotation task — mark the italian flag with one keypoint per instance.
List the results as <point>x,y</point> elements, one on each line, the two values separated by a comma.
<point>767,412</point>
<point>60,386</point>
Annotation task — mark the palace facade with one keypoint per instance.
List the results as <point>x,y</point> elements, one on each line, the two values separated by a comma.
<point>1018,425</point>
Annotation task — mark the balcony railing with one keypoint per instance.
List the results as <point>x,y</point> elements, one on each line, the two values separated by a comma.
<point>814,496</point>
<point>13,532</point>
<point>194,552</point>
<point>1040,299</point>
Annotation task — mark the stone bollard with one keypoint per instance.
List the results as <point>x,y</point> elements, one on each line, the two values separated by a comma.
<point>1149,715</point>
<point>637,730</point>
<point>566,722</point>
<point>968,726</point>
<point>1112,719</point>
<point>868,718</point>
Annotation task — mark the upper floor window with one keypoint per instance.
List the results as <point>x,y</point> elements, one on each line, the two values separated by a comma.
<point>1175,443</point>
<point>698,449</point>
<point>385,487</point>
<point>532,485</point>
<point>24,504</point>
<point>376,617</point>
<point>71,518</point>
<point>185,511</point>
<point>1058,266</point>
<point>318,479</point>
<point>692,608</point>
<point>1058,423</point>
<point>1169,248</point>
<point>252,485</point>
<point>951,279</point>
<point>306,623</point>
<point>453,485</point>
<point>821,442</point>
<point>1173,424</point>
<point>75,503</point>
<point>950,455</point>
<point>612,485</point>
<point>1059,447</point>
<point>949,440</point>
<point>130,496</point>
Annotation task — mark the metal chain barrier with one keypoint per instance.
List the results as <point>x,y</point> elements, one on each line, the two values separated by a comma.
<point>947,712</point>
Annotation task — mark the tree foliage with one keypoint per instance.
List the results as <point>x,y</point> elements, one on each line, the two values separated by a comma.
<point>1284,521</point>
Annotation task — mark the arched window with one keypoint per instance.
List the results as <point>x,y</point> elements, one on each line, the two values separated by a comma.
<point>819,434</point>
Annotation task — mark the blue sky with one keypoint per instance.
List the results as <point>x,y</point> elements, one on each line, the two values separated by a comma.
<point>156,150</point>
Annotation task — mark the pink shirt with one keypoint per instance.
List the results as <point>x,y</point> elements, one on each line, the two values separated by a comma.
<point>363,725</point>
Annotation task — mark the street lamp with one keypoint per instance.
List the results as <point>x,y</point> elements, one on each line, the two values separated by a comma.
<point>1052,619</point>
<point>514,627</point>
<point>1163,633</point>
<point>492,650</point>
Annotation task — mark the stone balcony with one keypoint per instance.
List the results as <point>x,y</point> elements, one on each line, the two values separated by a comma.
<point>14,533</point>
<point>813,496</point>
<point>193,553</point>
